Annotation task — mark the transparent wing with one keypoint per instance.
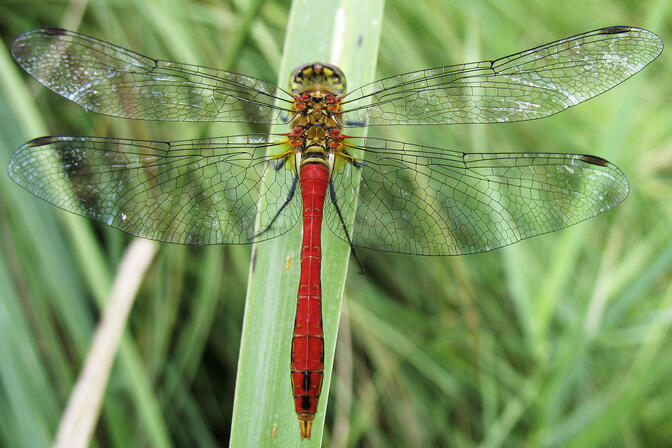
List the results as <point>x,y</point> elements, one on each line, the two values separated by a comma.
<point>430,201</point>
<point>111,80</point>
<point>523,86</point>
<point>195,192</point>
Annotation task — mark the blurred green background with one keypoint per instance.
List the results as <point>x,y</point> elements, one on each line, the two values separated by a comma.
<point>560,340</point>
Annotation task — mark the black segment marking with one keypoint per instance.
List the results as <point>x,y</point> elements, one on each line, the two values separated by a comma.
<point>305,403</point>
<point>306,381</point>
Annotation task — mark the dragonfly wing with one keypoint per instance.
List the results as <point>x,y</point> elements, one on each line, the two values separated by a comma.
<point>194,192</point>
<point>523,86</point>
<point>430,201</point>
<point>111,80</point>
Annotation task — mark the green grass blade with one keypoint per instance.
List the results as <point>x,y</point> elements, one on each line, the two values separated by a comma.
<point>263,408</point>
<point>21,382</point>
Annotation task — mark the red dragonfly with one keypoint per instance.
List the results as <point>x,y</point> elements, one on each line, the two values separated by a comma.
<point>413,199</point>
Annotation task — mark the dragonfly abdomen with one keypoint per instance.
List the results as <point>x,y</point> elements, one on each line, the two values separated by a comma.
<point>307,363</point>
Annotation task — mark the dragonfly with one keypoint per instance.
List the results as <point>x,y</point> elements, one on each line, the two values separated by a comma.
<point>371,192</point>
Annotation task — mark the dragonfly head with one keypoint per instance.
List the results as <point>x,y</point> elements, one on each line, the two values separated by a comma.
<point>313,77</point>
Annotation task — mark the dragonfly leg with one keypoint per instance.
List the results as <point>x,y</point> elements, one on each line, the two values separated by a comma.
<point>290,196</point>
<point>277,164</point>
<point>332,195</point>
<point>356,163</point>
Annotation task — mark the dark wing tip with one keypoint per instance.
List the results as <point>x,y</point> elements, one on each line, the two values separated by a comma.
<point>615,29</point>
<point>594,160</point>
<point>40,141</point>
<point>650,37</point>
<point>52,31</point>
<point>31,34</point>
<point>15,160</point>
<point>49,31</point>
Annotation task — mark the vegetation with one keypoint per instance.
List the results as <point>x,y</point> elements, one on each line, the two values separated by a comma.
<point>560,340</point>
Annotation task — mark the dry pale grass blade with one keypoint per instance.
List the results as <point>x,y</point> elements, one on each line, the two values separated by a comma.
<point>83,409</point>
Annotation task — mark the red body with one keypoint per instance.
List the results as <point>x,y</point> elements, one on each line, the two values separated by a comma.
<point>307,362</point>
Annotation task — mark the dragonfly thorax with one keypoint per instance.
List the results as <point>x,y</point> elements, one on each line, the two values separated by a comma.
<point>316,126</point>
<point>316,143</point>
